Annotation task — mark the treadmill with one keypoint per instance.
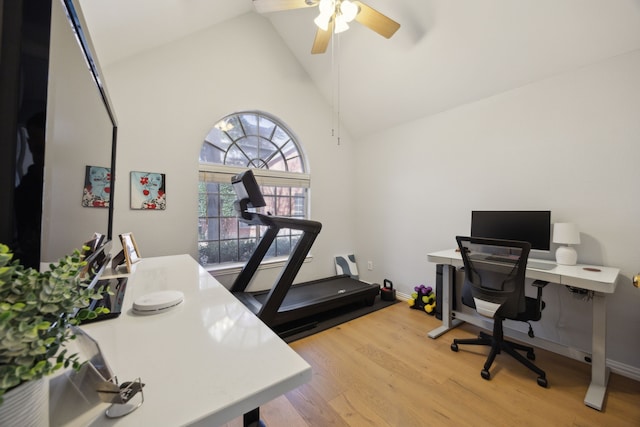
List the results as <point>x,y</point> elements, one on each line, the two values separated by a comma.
<point>287,309</point>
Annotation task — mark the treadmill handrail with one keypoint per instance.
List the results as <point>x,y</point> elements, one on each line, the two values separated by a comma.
<point>255,218</point>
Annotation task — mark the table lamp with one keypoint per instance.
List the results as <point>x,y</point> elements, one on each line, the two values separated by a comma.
<point>566,233</point>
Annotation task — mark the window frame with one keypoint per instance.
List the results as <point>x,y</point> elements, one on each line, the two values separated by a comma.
<point>222,173</point>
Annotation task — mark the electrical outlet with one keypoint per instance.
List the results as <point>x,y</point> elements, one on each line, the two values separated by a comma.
<point>369,265</point>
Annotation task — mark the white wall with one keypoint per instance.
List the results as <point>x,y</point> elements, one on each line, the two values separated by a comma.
<point>569,144</point>
<point>167,99</point>
<point>79,134</point>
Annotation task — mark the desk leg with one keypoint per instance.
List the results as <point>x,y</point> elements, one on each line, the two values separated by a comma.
<point>252,419</point>
<point>599,371</point>
<point>448,322</point>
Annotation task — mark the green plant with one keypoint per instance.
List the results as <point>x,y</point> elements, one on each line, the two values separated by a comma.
<point>36,310</point>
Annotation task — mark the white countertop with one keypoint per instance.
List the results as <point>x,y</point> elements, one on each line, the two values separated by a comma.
<point>605,280</point>
<point>208,359</point>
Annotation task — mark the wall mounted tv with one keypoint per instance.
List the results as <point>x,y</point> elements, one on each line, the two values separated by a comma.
<point>528,226</point>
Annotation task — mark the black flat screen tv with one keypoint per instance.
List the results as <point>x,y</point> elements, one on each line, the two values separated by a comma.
<point>528,226</point>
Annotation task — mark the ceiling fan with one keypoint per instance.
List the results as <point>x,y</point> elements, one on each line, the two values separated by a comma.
<point>334,17</point>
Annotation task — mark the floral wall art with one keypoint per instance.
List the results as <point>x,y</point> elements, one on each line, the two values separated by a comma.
<point>148,191</point>
<point>97,187</point>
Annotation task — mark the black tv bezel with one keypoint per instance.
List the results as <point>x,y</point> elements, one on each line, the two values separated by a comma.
<point>540,240</point>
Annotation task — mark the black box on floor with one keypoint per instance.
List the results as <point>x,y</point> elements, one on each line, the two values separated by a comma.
<point>439,283</point>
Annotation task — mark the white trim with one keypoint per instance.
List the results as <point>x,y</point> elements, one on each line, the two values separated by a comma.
<point>223,173</point>
<point>236,267</point>
<point>624,369</point>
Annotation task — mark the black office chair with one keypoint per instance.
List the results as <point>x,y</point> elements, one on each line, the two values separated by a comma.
<point>494,286</point>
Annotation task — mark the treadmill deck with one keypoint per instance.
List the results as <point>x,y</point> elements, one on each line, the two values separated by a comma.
<point>310,298</point>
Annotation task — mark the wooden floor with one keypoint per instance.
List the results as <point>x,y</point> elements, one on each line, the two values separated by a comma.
<point>382,370</point>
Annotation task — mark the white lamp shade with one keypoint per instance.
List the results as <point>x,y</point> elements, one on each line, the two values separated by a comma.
<point>566,232</point>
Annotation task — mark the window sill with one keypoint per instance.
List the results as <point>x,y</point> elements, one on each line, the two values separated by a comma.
<point>236,267</point>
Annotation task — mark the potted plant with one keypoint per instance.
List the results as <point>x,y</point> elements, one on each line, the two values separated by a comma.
<point>36,311</point>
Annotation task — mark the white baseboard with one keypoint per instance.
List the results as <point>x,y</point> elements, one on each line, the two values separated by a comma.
<point>616,367</point>
<point>624,370</point>
<point>402,297</point>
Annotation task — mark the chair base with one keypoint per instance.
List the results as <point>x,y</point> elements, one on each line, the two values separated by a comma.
<point>498,344</point>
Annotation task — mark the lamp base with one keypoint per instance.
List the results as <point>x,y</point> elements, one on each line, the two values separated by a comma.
<point>566,255</point>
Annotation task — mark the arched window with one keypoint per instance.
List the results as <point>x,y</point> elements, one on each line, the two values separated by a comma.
<point>260,142</point>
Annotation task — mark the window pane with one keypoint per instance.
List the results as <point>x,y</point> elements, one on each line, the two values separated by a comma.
<point>233,128</point>
<point>245,230</point>
<point>209,252</point>
<point>277,162</point>
<point>247,247</point>
<point>283,246</point>
<point>266,149</point>
<point>211,154</point>
<point>266,127</point>
<point>229,251</point>
<point>280,137</point>
<point>283,191</point>
<point>272,250</point>
<point>213,205</point>
<point>202,229</point>
<point>218,138</point>
<point>268,191</point>
<point>228,228</point>
<point>283,207</point>
<point>249,124</point>
<point>297,208</point>
<point>235,157</point>
<point>212,231</point>
<point>295,164</point>
<point>295,238</point>
<point>227,197</point>
<point>212,187</point>
<point>289,150</point>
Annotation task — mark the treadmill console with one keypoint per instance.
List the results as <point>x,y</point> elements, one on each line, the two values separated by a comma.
<point>248,194</point>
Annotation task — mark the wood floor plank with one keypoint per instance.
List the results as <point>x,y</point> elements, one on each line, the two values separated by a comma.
<point>383,370</point>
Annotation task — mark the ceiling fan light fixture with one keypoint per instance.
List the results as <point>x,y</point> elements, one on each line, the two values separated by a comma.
<point>322,21</point>
<point>327,7</point>
<point>341,24</point>
<point>348,10</point>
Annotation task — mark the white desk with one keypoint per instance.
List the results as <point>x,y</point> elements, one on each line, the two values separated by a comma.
<point>204,362</point>
<point>602,282</point>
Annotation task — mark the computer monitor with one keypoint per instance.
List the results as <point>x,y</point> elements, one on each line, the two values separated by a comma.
<point>528,226</point>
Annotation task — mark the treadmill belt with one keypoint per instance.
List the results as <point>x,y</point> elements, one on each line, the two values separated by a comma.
<point>306,293</point>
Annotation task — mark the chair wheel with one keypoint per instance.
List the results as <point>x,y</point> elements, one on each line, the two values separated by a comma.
<point>531,355</point>
<point>485,374</point>
<point>542,382</point>
<point>454,347</point>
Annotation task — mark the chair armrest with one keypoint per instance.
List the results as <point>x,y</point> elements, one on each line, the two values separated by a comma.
<point>540,283</point>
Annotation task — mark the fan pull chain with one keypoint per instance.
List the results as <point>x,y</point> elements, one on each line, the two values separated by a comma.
<point>335,90</point>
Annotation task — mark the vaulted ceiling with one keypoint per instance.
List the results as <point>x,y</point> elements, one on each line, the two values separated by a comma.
<point>447,52</point>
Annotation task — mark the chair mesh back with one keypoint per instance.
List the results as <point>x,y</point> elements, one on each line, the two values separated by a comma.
<point>495,272</point>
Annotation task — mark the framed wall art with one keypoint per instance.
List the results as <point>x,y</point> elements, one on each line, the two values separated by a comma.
<point>97,187</point>
<point>148,191</point>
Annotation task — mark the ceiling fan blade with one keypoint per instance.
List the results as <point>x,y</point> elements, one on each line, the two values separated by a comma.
<point>376,21</point>
<point>266,6</point>
<point>321,42</point>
